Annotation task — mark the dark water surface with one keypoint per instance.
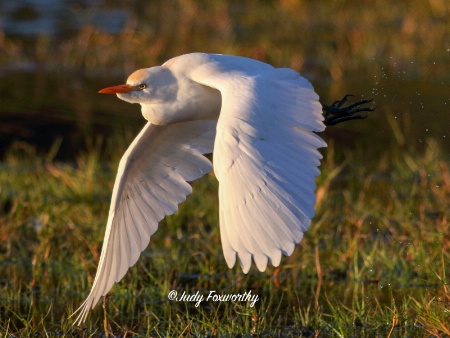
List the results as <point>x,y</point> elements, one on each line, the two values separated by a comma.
<point>55,55</point>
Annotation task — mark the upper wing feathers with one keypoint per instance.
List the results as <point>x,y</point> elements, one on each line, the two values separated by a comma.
<point>150,183</point>
<point>265,158</point>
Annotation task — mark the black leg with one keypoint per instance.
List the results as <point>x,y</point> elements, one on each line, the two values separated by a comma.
<point>337,112</point>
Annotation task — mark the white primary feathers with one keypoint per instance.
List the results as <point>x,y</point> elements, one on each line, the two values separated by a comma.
<point>258,121</point>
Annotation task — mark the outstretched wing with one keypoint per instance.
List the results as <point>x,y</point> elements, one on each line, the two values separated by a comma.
<point>266,159</point>
<point>150,183</point>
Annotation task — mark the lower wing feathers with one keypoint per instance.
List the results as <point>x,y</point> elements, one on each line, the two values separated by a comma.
<point>151,182</point>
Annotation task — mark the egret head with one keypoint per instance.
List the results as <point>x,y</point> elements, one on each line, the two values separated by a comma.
<point>168,95</point>
<point>146,86</point>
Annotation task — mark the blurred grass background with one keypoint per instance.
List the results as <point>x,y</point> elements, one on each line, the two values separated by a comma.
<point>375,259</point>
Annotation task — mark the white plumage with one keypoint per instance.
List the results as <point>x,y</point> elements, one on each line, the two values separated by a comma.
<point>260,122</point>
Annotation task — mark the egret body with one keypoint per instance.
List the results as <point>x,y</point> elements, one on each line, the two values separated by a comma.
<point>259,122</point>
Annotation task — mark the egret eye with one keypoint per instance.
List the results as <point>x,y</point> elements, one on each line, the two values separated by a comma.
<point>142,86</point>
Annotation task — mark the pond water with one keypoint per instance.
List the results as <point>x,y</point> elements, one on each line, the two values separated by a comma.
<point>55,55</point>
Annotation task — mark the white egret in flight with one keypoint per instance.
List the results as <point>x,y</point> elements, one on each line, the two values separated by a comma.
<point>258,121</point>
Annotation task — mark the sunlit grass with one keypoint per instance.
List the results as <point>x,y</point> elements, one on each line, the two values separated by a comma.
<point>373,263</point>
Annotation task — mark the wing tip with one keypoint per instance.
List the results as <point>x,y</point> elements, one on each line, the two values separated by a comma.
<point>245,261</point>
<point>81,313</point>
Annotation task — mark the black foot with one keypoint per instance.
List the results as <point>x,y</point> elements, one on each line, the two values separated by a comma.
<point>336,113</point>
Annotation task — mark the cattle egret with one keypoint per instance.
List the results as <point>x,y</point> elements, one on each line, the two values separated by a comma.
<point>259,122</point>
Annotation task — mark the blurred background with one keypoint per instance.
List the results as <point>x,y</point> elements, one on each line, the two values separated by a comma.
<point>56,54</point>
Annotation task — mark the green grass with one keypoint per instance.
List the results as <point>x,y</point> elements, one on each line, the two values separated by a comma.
<point>373,263</point>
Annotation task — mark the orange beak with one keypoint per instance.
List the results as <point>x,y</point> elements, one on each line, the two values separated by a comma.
<point>117,89</point>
